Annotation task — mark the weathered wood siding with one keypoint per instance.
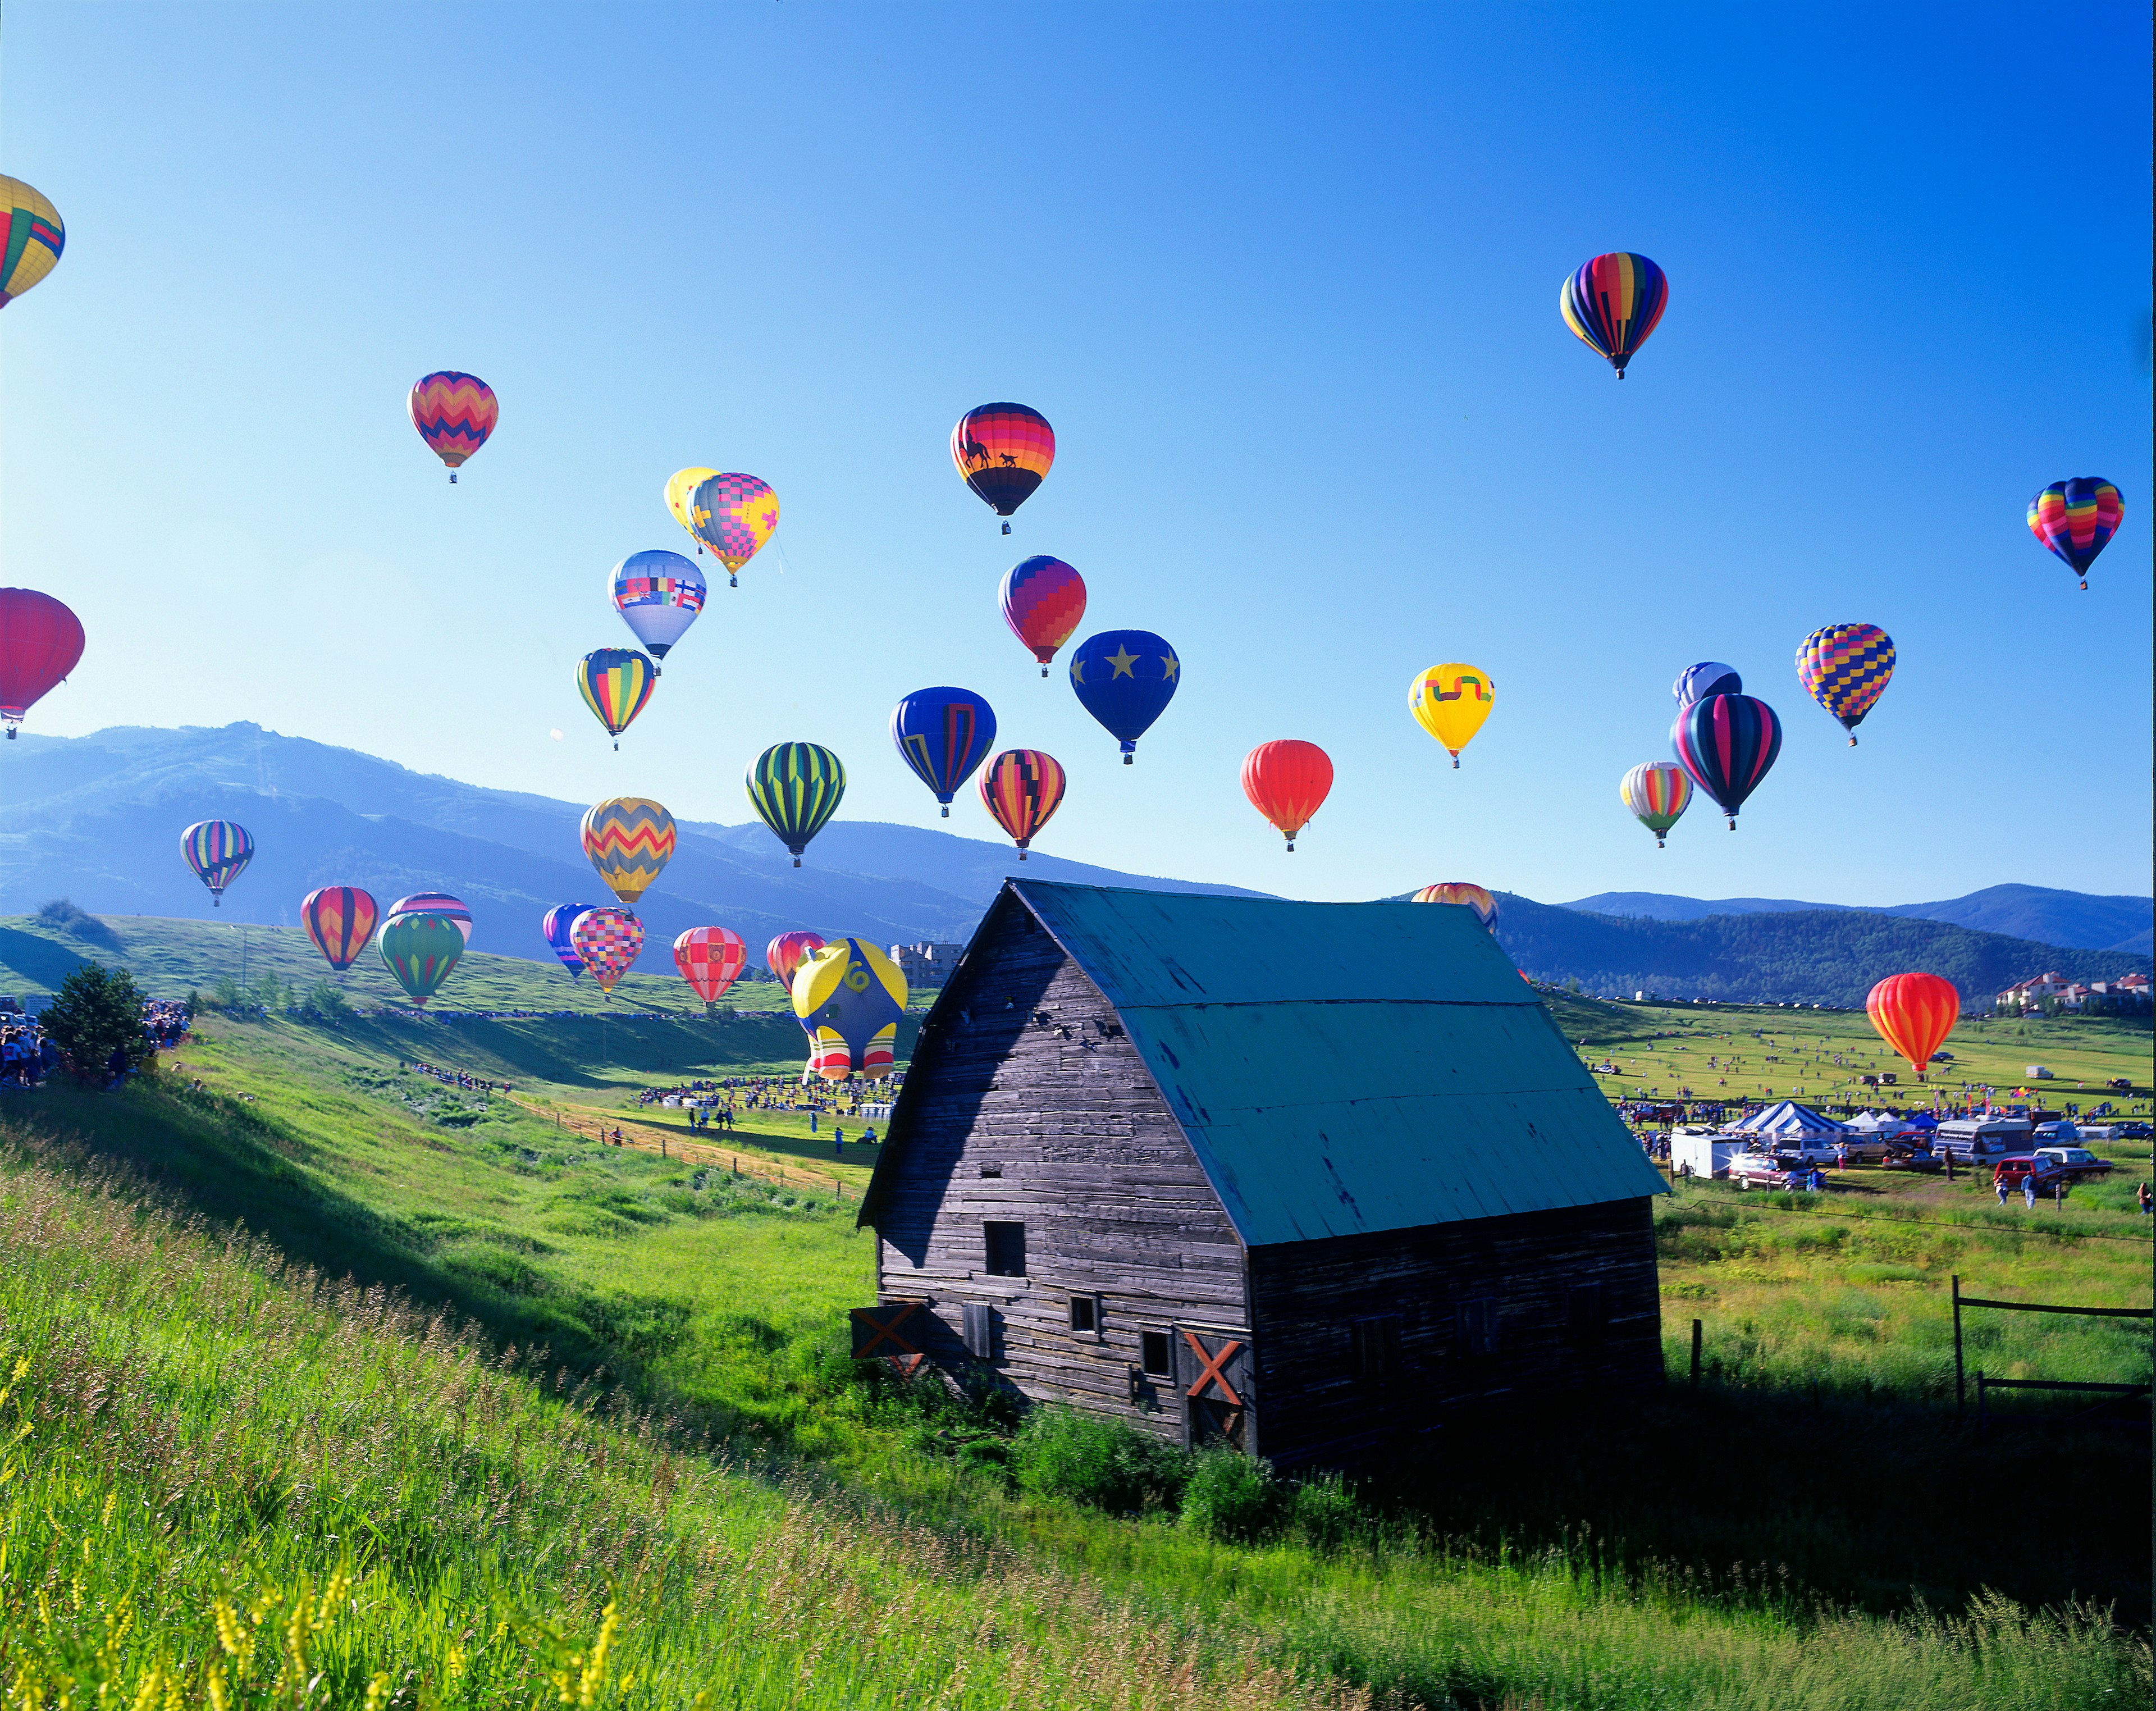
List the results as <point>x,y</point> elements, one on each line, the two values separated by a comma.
<point>1545,1335</point>
<point>1027,1071</point>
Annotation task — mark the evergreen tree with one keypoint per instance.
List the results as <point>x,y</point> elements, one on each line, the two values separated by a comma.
<point>96,1010</point>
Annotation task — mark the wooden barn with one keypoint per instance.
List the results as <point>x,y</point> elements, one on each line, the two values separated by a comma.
<point>1303,1177</point>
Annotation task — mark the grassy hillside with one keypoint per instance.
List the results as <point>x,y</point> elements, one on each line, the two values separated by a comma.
<point>1812,956</point>
<point>608,1378</point>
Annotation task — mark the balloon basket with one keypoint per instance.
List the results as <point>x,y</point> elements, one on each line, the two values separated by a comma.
<point>1044,672</point>
<point>1852,743</point>
<point>797,860</point>
<point>1455,763</point>
<point>1732,822</point>
<point>1659,844</point>
<point>947,811</point>
<point>1021,852</point>
<point>733,582</point>
<point>11,729</point>
<point>453,478</point>
<point>1290,846</point>
<point>1007,530</point>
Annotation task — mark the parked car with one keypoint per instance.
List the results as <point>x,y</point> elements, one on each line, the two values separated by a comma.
<point>1942,1057</point>
<point>1912,1157</point>
<point>2119,1084</point>
<point>2016,1167</point>
<point>2135,1132</point>
<point>2077,1162</point>
<point>2057,1133</point>
<point>1772,1170</point>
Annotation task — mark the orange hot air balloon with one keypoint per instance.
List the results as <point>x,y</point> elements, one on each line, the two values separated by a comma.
<point>1913,1013</point>
<point>1479,898</point>
<point>1287,782</point>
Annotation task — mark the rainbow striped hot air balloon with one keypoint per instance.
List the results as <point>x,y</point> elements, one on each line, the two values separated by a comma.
<point>453,413</point>
<point>218,851</point>
<point>850,997</point>
<point>33,236</point>
<point>630,840</point>
<point>1845,668</point>
<point>2075,520</point>
<point>1467,896</point>
<point>1003,452</point>
<point>340,919</point>
<point>1021,787</point>
<point>555,925</point>
<point>1658,793</point>
<point>1042,599</point>
<point>439,903</point>
<point>615,684</point>
<point>1613,303</point>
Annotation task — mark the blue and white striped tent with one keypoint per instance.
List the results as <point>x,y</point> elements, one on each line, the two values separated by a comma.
<point>1787,1121</point>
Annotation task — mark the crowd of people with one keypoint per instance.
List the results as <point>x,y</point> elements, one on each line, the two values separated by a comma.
<point>454,1078</point>
<point>28,1054</point>
<point>710,1104</point>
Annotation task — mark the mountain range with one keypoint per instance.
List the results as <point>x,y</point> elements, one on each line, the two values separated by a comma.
<point>96,820</point>
<point>2076,918</point>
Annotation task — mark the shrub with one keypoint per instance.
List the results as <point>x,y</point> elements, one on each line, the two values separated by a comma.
<point>1326,1513</point>
<point>97,1011</point>
<point>64,917</point>
<point>327,997</point>
<point>1231,1496</point>
<point>1061,1453</point>
<point>224,992</point>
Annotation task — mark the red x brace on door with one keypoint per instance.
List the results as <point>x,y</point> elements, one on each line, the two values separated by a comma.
<point>876,1326</point>
<point>1209,1366</point>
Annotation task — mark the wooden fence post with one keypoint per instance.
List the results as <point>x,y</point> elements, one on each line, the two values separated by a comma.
<point>1695,1354</point>
<point>1961,1394</point>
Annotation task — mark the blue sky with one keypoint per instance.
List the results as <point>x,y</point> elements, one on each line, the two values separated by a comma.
<point>1284,281</point>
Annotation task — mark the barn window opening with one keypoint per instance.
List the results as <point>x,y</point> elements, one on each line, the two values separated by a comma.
<point>992,1170</point>
<point>1376,1346</point>
<point>1006,1247</point>
<point>1086,1314</point>
<point>1478,1326</point>
<point>1153,1354</point>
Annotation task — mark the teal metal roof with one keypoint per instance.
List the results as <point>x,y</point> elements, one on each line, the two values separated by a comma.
<point>1343,1068</point>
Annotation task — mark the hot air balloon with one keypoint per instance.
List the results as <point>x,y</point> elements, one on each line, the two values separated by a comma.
<point>340,919</point>
<point>711,959</point>
<point>944,734</point>
<point>439,903</point>
<point>1043,598</point>
<point>679,486</point>
<point>1451,701</point>
<point>796,787</point>
<point>1708,677</point>
<point>218,851</point>
<point>1913,1013</point>
<point>420,950</point>
<point>1845,668</point>
<point>556,924</point>
<point>1124,679</point>
<point>1479,898</point>
<point>2075,520</point>
<point>1003,452</point>
<point>733,514</point>
<point>615,684</point>
<point>850,996</point>
<point>1658,793</point>
<point>1727,742</point>
<point>1287,782</point>
<point>40,642</point>
<point>1021,787</point>
<point>630,840</point>
<point>453,413</point>
<point>659,594</point>
<point>609,941</point>
<point>786,953</point>
<point>1612,304</point>
<point>35,238</point>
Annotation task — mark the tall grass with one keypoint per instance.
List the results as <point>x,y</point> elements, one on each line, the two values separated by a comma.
<point>231,1479</point>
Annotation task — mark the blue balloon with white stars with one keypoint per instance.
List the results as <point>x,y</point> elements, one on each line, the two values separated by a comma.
<point>1124,679</point>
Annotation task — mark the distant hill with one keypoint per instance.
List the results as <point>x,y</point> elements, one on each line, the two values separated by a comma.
<point>2076,919</point>
<point>97,820</point>
<point>1822,956</point>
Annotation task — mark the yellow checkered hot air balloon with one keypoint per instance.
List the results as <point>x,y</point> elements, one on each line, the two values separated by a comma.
<point>630,840</point>
<point>34,237</point>
<point>850,997</point>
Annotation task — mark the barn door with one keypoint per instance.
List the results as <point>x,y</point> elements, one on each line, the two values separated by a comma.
<point>1213,1370</point>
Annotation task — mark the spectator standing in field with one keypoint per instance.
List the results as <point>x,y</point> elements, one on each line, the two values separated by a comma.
<point>2028,1190</point>
<point>1998,1183</point>
<point>2147,1200</point>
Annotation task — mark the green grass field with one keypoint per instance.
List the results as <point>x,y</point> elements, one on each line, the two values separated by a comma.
<point>328,1374</point>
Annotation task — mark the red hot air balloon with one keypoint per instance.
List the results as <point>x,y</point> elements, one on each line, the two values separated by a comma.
<point>453,413</point>
<point>40,642</point>
<point>1043,600</point>
<point>340,919</point>
<point>788,953</point>
<point>1287,782</point>
<point>1913,1013</point>
<point>711,959</point>
<point>1021,787</point>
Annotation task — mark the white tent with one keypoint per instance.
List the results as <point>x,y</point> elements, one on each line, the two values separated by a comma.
<point>1879,1125</point>
<point>1787,1122</point>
